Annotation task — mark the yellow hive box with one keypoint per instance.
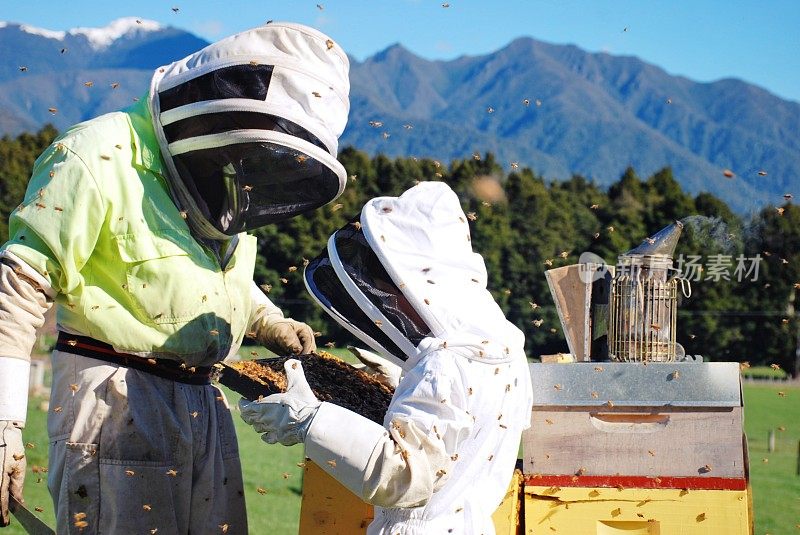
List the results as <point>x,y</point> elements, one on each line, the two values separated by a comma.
<point>612,511</point>
<point>328,508</point>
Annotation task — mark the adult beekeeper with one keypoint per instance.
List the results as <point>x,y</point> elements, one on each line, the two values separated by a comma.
<point>135,225</point>
<point>403,278</point>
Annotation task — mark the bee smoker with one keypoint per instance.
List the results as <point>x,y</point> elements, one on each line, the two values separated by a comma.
<point>644,301</point>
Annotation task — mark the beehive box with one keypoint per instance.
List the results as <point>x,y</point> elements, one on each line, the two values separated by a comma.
<point>328,508</point>
<point>615,511</point>
<point>629,448</point>
<point>653,420</point>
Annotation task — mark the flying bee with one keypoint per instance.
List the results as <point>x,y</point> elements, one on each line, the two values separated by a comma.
<point>316,94</point>
<point>329,44</point>
<point>514,165</point>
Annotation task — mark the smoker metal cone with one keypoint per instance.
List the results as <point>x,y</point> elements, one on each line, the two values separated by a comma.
<point>661,243</point>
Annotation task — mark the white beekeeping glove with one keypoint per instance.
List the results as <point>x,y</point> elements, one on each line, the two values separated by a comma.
<point>286,417</point>
<point>382,369</point>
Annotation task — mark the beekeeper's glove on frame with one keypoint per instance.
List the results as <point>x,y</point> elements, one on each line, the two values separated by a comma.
<point>286,417</point>
<point>285,336</point>
<point>383,370</point>
<point>282,336</point>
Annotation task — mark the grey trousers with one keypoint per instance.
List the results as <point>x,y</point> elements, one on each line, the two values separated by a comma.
<point>134,453</point>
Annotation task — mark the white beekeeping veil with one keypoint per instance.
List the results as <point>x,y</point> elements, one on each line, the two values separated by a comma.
<point>403,278</point>
<point>249,127</point>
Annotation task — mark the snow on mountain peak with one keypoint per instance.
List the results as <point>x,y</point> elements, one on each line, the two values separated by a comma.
<point>98,38</point>
<point>102,37</point>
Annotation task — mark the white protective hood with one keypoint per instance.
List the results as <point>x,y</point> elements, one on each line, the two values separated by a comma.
<point>271,103</point>
<point>422,240</point>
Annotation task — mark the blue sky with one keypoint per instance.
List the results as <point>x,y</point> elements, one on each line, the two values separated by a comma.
<point>705,40</point>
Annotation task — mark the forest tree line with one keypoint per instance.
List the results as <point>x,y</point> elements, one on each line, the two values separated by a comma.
<point>744,271</point>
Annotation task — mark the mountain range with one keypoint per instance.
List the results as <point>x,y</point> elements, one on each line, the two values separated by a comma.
<point>554,108</point>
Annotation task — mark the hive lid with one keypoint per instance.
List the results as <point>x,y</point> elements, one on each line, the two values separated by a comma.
<point>626,384</point>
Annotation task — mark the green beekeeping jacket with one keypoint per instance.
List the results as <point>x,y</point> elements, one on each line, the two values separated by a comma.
<point>98,223</point>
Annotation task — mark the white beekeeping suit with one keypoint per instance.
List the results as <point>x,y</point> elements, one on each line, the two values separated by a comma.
<point>404,279</point>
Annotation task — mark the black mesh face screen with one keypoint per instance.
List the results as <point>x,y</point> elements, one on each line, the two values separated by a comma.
<point>218,123</point>
<point>237,81</point>
<point>325,285</point>
<point>368,273</point>
<point>249,185</point>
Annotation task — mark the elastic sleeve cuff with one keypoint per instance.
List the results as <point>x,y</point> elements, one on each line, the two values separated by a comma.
<point>14,377</point>
<point>29,271</point>
<point>342,442</point>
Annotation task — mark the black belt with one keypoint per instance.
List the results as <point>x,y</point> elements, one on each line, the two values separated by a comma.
<point>168,369</point>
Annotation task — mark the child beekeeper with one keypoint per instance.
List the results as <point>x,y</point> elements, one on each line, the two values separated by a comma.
<point>403,278</point>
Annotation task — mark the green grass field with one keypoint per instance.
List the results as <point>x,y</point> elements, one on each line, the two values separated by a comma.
<point>776,485</point>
